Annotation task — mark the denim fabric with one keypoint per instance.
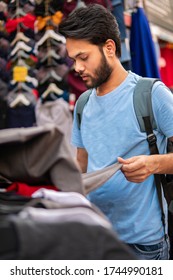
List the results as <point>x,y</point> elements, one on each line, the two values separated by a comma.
<point>118,12</point>
<point>159,251</point>
<point>125,54</point>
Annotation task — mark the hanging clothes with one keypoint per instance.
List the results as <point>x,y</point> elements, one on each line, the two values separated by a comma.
<point>166,52</point>
<point>143,53</point>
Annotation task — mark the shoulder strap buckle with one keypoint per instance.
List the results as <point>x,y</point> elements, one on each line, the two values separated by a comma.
<point>151,138</point>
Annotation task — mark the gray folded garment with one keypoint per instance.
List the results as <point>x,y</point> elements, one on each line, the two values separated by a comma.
<point>57,113</point>
<point>93,180</point>
<point>39,155</point>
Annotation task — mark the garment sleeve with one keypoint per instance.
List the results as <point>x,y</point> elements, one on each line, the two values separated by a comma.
<point>76,138</point>
<point>162,103</point>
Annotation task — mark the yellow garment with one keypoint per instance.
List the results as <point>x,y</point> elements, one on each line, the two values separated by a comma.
<point>42,22</point>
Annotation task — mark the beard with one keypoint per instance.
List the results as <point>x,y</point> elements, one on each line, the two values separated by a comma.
<point>101,74</point>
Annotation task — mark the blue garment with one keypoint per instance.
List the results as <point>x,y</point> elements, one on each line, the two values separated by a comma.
<point>110,129</point>
<point>159,251</point>
<point>143,53</point>
<point>118,12</point>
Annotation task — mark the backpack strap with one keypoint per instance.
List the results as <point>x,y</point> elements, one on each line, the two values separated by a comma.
<point>142,101</point>
<point>145,117</point>
<point>82,100</point>
<point>143,109</point>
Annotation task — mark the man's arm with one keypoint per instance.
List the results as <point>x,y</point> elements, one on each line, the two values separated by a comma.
<point>82,159</point>
<point>139,168</point>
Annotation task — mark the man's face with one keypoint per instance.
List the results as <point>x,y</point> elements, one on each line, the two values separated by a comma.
<point>89,61</point>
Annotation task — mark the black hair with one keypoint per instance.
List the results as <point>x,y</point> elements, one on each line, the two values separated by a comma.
<point>93,23</point>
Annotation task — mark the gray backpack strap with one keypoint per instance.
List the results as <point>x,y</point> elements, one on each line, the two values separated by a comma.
<point>82,100</point>
<point>144,114</point>
<point>142,101</point>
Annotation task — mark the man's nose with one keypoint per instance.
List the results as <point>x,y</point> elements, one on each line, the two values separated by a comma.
<point>79,67</point>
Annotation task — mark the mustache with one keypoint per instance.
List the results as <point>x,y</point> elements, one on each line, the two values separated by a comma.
<point>80,73</point>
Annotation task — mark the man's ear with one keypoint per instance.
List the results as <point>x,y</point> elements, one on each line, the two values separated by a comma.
<point>110,47</point>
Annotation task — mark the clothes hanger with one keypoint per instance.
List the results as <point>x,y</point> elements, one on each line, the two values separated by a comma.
<point>21,86</point>
<point>52,88</point>
<point>29,79</point>
<point>51,54</point>
<point>54,75</point>
<point>19,100</point>
<point>20,54</point>
<point>21,62</point>
<point>53,43</point>
<point>80,4</point>
<point>20,45</point>
<point>49,62</point>
<point>51,34</point>
<point>20,37</point>
<point>18,13</point>
<point>51,74</point>
<point>32,80</point>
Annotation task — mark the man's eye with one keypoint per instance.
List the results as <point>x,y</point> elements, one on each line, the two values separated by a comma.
<point>84,58</point>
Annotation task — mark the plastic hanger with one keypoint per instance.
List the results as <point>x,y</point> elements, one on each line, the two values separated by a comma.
<point>32,80</point>
<point>20,99</point>
<point>51,34</point>
<point>51,74</point>
<point>51,54</point>
<point>52,88</point>
<point>20,37</point>
<point>20,45</point>
<point>52,42</point>
<point>21,86</point>
<point>54,75</point>
<point>28,79</point>
<point>21,62</point>
<point>20,54</point>
<point>18,13</point>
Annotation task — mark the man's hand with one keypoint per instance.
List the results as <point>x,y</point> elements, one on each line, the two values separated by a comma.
<point>137,169</point>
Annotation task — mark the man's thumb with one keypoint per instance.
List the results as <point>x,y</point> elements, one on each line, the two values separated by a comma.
<point>123,161</point>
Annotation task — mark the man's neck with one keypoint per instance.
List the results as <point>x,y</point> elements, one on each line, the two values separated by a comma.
<point>117,77</point>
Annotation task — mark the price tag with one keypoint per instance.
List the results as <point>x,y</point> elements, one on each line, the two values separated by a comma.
<point>20,73</point>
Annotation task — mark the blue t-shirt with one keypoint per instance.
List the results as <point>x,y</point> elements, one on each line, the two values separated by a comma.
<point>109,129</point>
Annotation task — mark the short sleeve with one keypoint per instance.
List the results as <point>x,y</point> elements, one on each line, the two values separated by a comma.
<point>162,102</point>
<point>76,138</point>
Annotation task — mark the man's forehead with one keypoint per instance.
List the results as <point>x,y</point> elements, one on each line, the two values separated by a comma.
<point>78,47</point>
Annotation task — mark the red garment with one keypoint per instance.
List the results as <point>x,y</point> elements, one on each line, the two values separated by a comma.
<point>28,20</point>
<point>70,6</point>
<point>35,92</point>
<point>105,3</point>
<point>166,71</point>
<point>76,84</point>
<point>26,190</point>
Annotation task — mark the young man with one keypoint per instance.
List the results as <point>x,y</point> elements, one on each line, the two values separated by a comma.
<point>110,132</point>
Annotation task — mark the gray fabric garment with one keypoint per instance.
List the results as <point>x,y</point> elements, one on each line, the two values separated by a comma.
<point>39,155</point>
<point>43,203</point>
<point>81,214</point>
<point>56,112</point>
<point>93,180</point>
<point>66,241</point>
